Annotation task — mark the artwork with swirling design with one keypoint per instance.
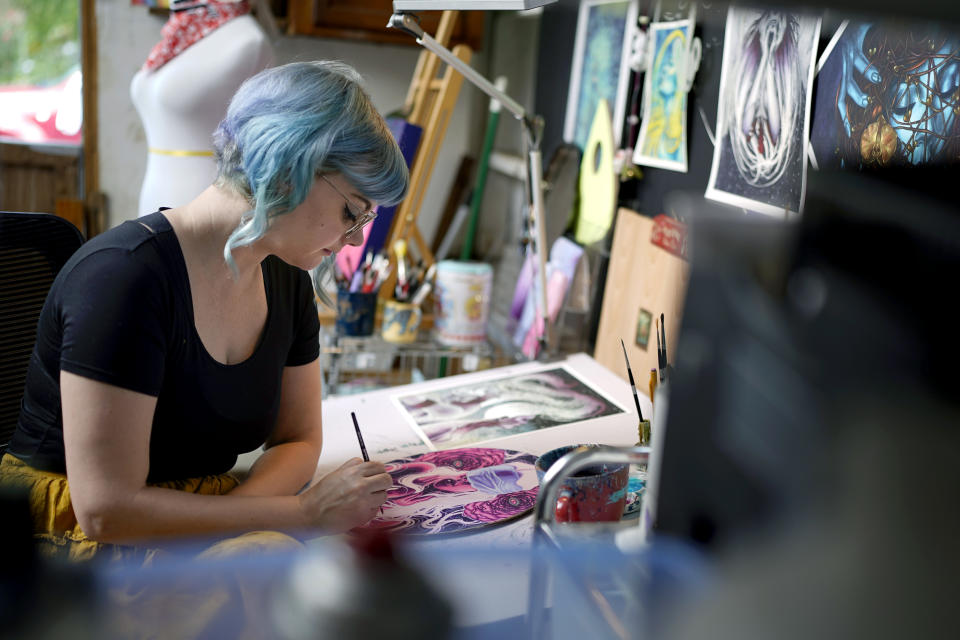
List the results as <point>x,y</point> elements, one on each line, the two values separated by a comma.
<point>504,406</point>
<point>763,116</point>
<point>599,71</point>
<point>456,490</point>
<point>662,141</point>
<point>888,94</point>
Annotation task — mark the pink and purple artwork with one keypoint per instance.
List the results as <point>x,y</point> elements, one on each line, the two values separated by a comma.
<point>457,490</point>
<point>505,406</point>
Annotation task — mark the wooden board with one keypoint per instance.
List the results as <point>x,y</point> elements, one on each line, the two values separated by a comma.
<point>32,180</point>
<point>366,21</point>
<point>641,275</point>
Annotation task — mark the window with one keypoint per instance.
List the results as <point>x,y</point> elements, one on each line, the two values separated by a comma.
<point>40,80</point>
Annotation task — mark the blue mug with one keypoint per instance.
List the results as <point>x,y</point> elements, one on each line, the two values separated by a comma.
<point>355,312</point>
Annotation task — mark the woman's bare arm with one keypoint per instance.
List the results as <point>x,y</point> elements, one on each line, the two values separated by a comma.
<point>106,438</point>
<point>291,452</point>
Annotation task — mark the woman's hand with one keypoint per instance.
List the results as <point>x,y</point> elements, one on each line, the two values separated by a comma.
<point>346,498</point>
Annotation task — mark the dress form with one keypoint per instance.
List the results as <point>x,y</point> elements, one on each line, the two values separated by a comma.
<point>182,102</point>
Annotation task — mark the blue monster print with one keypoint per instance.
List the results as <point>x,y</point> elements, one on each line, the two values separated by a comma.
<point>889,95</point>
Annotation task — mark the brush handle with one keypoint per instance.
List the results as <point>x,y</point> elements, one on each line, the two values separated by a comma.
<point>363,448</point>
<point>636,397</point>
<point>633,385</point>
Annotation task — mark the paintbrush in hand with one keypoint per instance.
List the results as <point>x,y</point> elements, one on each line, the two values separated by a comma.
<point>363,447</point>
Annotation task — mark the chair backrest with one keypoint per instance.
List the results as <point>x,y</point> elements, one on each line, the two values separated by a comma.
<point>33,249</point>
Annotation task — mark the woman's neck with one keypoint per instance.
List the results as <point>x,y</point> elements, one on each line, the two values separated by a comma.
<point>203,226</point>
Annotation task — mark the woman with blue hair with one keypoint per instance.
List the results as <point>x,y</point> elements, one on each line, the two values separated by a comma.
<point>172,343</point>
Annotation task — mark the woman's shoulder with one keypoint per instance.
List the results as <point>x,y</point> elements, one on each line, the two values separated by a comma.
<point>142,247</point>
<point>130,234</point>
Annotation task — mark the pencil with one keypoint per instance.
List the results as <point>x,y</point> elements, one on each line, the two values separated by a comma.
<point>633,385</point>
<point>363,448</point>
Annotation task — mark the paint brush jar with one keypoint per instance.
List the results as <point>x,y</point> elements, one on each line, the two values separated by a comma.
<point>355,312</point>
<point>401,321</point>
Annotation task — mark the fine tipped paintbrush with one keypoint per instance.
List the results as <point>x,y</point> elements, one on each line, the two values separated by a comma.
<point>363,447</point>
<point>633,385</point>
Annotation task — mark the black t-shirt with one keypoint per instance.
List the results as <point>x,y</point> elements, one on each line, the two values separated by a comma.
<point>121,312</point>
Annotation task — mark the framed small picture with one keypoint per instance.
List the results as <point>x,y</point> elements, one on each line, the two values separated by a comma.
<point>600,69</point>
<point>663,132</point>
<point>644,320</point>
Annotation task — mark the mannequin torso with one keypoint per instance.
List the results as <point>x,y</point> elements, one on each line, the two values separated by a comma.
<point>182,102</point>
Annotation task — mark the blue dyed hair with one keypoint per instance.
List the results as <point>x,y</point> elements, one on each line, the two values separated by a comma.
<point>286,125</point>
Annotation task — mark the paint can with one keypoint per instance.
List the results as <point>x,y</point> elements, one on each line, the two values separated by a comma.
<point>462,302</point>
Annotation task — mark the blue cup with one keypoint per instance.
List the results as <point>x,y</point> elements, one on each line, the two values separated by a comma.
<point>355,312</point>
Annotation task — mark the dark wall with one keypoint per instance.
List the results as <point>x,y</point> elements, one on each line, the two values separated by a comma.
<point>648,195</point>
<point>558,29</point>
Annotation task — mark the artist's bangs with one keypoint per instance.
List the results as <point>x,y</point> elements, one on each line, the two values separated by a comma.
<point>384,179</point>
<point>299,121</point>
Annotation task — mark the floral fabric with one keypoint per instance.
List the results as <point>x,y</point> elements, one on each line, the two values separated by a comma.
<point>189,26</point>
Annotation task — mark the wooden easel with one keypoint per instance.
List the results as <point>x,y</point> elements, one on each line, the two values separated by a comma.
<point>429,104</point>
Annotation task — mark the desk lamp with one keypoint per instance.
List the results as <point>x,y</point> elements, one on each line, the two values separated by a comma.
<point>532,124</point>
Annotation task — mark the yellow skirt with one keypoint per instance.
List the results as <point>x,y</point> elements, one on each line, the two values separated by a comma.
<point>229,600</point>
<point>58,534</point>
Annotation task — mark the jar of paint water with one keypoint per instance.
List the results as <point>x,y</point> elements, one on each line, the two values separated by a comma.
<point>462,302</point>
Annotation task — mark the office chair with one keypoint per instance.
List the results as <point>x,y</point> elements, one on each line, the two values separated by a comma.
<point>33,249</point>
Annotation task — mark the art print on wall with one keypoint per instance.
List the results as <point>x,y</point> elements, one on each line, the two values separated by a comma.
<point>763,116</point>
<point>456,490</point>
<point>600,69</point>
<point>503,407</point>
<point>662,141</point>
<point>887,95</point>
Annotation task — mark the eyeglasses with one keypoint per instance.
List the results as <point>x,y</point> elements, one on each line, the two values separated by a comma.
<point>363,218</point>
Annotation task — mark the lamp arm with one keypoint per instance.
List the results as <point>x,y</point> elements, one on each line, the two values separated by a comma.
<point>533,126</point>
<point>406,22</point>
<point>538,214</point>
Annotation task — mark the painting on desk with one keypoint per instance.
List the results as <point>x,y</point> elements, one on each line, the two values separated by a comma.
<point>456,490</point>
<point>507,406</point>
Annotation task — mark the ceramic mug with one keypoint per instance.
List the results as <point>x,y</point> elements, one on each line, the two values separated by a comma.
<point>355,312</point>
<point>462,299</point>
<point>595,494</point>
<point>401,321</point>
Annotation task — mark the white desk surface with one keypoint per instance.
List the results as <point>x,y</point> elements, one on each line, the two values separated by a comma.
<point>388,436</point>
